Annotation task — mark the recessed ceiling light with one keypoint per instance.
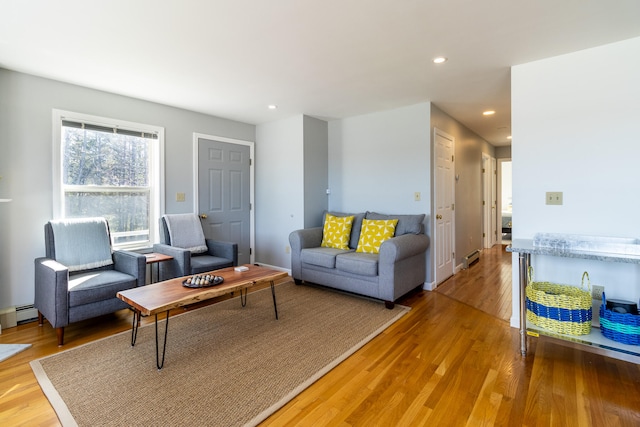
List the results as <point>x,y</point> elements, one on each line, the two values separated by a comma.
<point>488,113</point>
<point>272,107</point>
<point>439,59</point>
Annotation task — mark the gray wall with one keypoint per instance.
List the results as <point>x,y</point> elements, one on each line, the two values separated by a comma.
<point>503,152</point>
<point>291,180</point>
<point>377,161</point>
<point>279,188</point>
<point>26,104</point>
<point>316,166</point>
<point>468,167</point>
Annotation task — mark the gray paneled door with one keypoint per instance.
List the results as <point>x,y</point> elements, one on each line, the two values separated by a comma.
<point>224,193</point>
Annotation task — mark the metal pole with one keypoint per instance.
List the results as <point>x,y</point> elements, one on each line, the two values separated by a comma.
<point>523,262</point>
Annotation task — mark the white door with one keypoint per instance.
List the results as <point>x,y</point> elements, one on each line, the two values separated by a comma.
<point>489,201</point>
<point>444,197</point>
<point>486,202</point>
<point>224,189</point>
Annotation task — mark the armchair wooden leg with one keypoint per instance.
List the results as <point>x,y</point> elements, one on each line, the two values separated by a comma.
<point>389,304</point>
<point>40,318</point>
<point>60,333</point>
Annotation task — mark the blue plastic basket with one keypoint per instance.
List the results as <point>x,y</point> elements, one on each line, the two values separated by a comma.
<point>620,327</point>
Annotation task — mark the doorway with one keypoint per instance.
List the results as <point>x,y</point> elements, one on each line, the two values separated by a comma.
<point>224,191</point>
<point>505,206</point>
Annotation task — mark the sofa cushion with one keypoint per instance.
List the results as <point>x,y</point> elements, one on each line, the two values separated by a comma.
<point>336,231</point>
<point>358,263</point>
<point>322,257</point>
<point>407,224</point>
<point>355,227</point>
<point>374,232</point>
<point>85,288</point>
<point>204,263</point>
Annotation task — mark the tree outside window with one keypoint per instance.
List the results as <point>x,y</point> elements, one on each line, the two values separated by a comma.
<point>109,172</point>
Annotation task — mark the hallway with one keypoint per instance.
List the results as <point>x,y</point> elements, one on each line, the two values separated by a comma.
<point>485,285</point>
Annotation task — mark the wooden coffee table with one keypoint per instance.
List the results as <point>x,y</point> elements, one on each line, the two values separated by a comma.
<point>163,296</point>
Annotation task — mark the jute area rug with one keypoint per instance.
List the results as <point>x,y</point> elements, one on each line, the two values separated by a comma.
<point>225,365</point>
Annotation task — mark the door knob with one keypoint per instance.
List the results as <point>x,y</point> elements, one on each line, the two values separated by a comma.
<point>438,216</point>
<point>203,216</point>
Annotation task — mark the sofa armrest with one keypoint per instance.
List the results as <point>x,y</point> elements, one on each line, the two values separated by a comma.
<point>401,265</point>
<point>299,240</point>
<point>131,263</point>
<point>401,247</point>
<point>179,266</point>
<point>306,238</point>
<point>51,291</point>
<point>221,249</point>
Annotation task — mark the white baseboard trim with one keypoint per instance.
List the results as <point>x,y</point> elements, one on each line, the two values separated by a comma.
<point>274,267</point>
<point>515,322</point>
<point>429,286</point>
<point>8,317</point>
<point>458,268</point>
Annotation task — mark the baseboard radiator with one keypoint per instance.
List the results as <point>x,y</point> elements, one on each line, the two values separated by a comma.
<point>26,313</point>
<point>471,258</point>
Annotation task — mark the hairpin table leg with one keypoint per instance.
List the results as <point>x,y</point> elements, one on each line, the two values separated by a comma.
<point>273,292</point>
<point>134,327</point>
<point>159,363</point>
<point>243,296</point>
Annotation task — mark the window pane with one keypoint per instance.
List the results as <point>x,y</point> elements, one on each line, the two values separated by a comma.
<point>105,159</point>
<point>127,212</point>
<point>112,169</point>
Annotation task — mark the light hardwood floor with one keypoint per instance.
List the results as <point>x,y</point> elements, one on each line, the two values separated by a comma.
<point>452,361</point>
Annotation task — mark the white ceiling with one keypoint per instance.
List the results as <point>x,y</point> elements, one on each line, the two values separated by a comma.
<point>325,58</point>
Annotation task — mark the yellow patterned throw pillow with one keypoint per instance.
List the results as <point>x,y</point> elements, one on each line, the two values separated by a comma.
<point>336,231</point>
<point>374,232</point>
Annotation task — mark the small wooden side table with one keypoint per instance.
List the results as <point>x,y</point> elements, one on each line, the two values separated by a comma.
<point>156,258</point>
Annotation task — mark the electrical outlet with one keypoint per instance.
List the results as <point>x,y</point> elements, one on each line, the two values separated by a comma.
<point>596,292</point>
<point>554,197</point>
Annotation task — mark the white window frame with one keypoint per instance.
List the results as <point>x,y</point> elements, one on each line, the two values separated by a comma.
<point>157,202</point>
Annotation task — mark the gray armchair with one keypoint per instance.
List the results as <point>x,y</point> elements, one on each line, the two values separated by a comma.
<point>81,275</point>
<point>181,237</point>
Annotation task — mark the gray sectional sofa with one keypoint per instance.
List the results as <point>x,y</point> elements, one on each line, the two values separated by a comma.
<point>399,267</point>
